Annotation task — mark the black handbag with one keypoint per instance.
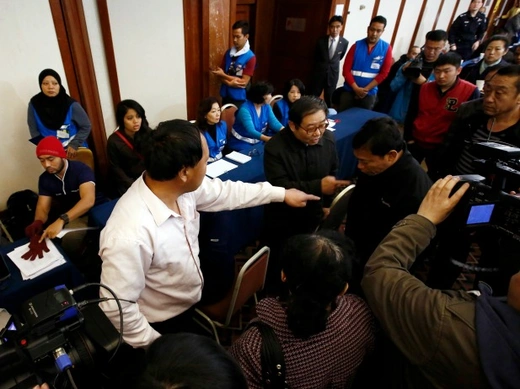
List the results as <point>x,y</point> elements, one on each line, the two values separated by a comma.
<point>273,363</point>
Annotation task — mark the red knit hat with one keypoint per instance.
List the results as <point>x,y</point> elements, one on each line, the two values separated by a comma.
<point>50,145</point>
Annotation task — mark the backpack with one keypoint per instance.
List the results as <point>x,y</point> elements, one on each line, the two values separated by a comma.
<point>21,207</point>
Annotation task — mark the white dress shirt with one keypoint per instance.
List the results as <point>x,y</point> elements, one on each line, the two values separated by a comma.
<point>150,253</point>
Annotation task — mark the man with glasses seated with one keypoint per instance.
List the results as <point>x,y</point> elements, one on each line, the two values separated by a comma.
<point>302,156</point>
<point>408,80</point>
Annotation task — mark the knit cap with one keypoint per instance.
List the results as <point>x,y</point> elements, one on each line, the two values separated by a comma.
<point>50,145</point>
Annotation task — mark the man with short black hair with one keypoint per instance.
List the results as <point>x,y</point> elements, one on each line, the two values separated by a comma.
<point>329,52</point>
<point>439,102</point>
<point>150,246</point>
<point>367,64</point>
<point>390,185</point>
<point>238,66</point>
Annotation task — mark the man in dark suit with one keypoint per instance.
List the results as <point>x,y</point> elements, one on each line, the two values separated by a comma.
<point>330,50</point>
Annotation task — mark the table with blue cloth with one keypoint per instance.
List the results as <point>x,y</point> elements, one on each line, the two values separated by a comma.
<point>14,291</point>
<point>348,123</point>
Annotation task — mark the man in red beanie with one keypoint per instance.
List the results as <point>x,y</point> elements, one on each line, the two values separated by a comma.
<point>69,186</point>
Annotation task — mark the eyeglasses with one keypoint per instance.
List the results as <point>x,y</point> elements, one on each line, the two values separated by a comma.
<point>322,127</point>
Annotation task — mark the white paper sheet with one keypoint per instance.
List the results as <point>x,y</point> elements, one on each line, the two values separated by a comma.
<point>32,269</point>
<point>219,167</point>
<point>238,157</point>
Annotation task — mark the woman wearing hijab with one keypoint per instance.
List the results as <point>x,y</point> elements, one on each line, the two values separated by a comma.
<point>123,146</point>
<point>52,112</point>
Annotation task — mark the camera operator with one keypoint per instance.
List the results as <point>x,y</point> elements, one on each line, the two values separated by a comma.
<point>409,78</point>
<point>447,338</point>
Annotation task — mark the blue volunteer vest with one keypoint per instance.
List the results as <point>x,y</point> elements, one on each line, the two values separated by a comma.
<point>283,106</point>
<point>68,126</point>
<point>240,63</point>
<point>367,66</point>
<point>216,147</point>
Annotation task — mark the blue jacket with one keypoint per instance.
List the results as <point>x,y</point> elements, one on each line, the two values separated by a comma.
<point>283,108</point>
<point>249,127</point>
<point>403,87</point>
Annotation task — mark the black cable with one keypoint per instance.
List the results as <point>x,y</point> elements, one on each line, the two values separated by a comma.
<point>118,302</point>
<point>71,379</point>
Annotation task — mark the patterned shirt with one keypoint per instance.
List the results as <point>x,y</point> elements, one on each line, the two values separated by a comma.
<point>328,359</point>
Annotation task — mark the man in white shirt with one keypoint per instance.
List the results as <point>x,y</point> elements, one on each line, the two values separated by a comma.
<point>150,247</point>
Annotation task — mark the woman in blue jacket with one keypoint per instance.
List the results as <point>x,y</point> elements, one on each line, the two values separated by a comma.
<point>214,130</point>
<point>255,121</point>
<point>52,112</point>
<point>292,91</point>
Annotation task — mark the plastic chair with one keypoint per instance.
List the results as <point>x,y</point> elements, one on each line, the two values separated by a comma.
<point>85,155</point>
<point>338,209</point>
<point>228,112</point>
<point>274,99</point>
<point>249,280</point>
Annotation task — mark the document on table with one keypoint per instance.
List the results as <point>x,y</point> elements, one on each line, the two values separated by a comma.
<point>32,269</point>
<point>238,157</point>
<point>219,167</point>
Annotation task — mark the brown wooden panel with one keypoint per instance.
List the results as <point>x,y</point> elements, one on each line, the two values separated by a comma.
<point>262,39</point>
<point>398,21</point>
<point>69,19</point>
<point>376,9</point>
<point>219,27</point>
<point>292,52</point>
<point>108,44</point>
<point>419,21</point>
<point>454,13</point>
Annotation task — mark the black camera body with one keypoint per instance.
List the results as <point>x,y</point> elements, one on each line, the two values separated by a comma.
<point>51,325</point>
<point>414,69</point>
<point>486,203</point>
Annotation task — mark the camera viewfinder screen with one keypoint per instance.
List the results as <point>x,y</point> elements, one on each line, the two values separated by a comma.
<point>479,214</point>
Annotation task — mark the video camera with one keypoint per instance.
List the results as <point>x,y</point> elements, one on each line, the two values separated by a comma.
<point>56,335</point>
<point>487,202</point>
<point>413,70</point>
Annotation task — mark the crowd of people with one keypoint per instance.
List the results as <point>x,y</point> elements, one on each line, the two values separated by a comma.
<point>340,305</point>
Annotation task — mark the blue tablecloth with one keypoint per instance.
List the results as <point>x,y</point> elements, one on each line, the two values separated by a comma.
<point>14,291</point>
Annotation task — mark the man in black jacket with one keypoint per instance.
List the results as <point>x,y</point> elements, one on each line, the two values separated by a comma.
<point>329,51</point>
<point>302,155</point>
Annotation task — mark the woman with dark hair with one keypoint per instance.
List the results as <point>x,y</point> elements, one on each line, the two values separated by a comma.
<point>124,145</point>
<point>52,112</point>
<point>214,130</point>
<point>189,361</point>
<point>292,91</point>
<point>255,121</point>
<point>324,333</point>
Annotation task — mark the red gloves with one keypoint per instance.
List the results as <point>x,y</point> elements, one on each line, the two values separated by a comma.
<point>36,228</point>
<point>36,248</point>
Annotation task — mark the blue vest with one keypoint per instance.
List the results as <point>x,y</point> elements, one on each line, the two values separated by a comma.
<point>367,66</point>
<point>236,70</point>
<point>68,128</point>
<point>216,147</point>
<point>283,106</point>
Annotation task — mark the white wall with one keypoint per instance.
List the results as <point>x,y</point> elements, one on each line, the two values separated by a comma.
<point>29,45</point>
<point>149,49</point>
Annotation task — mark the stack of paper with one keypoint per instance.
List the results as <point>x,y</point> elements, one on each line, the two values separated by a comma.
<point>219,167</point>
<point>32,269</point>
<point>238,157</point>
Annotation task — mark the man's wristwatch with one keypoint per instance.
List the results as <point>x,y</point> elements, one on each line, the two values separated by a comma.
<point>65,218</point>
